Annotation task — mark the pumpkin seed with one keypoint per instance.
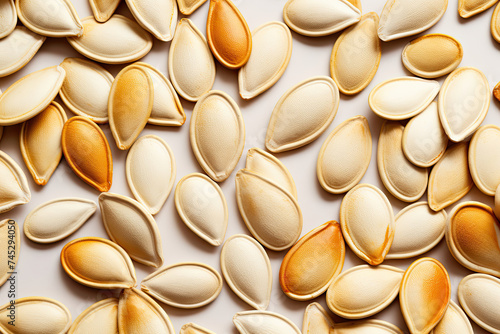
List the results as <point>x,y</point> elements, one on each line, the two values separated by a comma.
<point>191,328</point>
<point>484,159</point>
<point>468,8</point>
<point>316,320</point>
<point>187,7</point>
<point>15,190</point>
<point>100,317</point>
<point>252,322</point>
<point>103,9</point>
<point>9,18</point>
<point>371,326</point>
<point>454,321</point>
<point>159,19</point>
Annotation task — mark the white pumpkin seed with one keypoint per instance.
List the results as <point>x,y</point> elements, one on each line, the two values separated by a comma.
<point>130,225</point>
<point>484,159</point>
<point>17,49</point>
<point>184,285</point>
<point>268,166</point>
<point>290,127</point>
<point>417,230</point>
<point>42,133</point>
<point>191,328</point>
<point>402,18</point>
<point>468,8</point>
<point>217,133</point>
<point>371,326</point>
<point>255,322</point>
<point>150,170</point>
<point>404,180</point>
<point>118,41</point>
<point>14,190</point>
<point>103,9</point>
<point>33,314</point>
<point>402,98</point>
<point>159,18</point>
<point>9,230</point>
<point>356,55</point>
<point>320,17</point>
<point>363,291</point>
<point>450,178</point>
<point>316,320</point>
<point>463,102</point>
<point>100,317</point>
<point>9,17</point>
<point>30,95</point>
<point>345,155</point>
<point>52,18</point>
<point>191,65</point>
<point>247,270</point>
<point>479,294</point>
<point>271,53</point>
<point>495,24</point>
<point>424,139</point>
<point>202,206</point>
<point>187,7</point>
<point>85,89</point>
<point>55,220</point>
<point>272,214</point>
<point>368,235</point>
<point>454,321</point>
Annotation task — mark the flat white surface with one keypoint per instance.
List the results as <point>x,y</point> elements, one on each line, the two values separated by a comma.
<point>40,272</point>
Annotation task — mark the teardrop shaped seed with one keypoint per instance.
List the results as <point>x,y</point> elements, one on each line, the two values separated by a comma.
<point>55,18</point>
<point>159,19</point>
<point>9,18</point>
<point>316,320</point>
<point>100,317</point>
<point>228,34</point>
<point>252,322</point>
<point>42,133</point>
<point>128,223</point>
<point>87,152</point>
<point>8,264</point>
<point>18,48</point>
<point>484,159</point>
<point>103,9</point>
<point>14,190</point>
<point>130,103</point>
<point>468,8</point>
<point>187,7</point>
<point>98,263</point>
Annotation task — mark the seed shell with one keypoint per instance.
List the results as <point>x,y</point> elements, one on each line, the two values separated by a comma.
<point>484,159</point>
<point>100,317</point>
<point>15,190</point>
<point>9,18</point>
<point>103,9</point>
<point>252,322</point>
<point>160,18</point>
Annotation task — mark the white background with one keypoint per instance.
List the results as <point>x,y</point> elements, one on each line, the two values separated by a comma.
<point>40,272</point>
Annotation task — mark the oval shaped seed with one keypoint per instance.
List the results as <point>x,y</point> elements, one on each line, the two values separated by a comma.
<point>271,53</point>
<point>484,161</point>
<point>473,237</point>
<point>424,295</point>
<point>18,48</point>
<point>202,206</point>
<point>454,321</point>
<point>150,171</point>
<point>55,18</point>
<point>316,320</point>
<point>404,180</point>
<point>402,98</point>
<point>217,133</point>
<point>417,230</point>
<point>100,317</point>
<point>160,19</point>
<point>56,219</point>
<point>167,109</point>
<point>363,291</point>
<point>354,70</point>
<point>268,166</point>
<point>290,127</point>
<point>402,18</point>
<point>85,78</point>
<point>432,55</point>
<point>110,266</point>
<point>15,190</point>
<point>103,9</point>
<point>130,103</point>
<point>468,8</point>
<point>323,250</point>
<point>478,294</point>
<point>29,310</point>
<point>130,225</point>
<point>450,179</point>
<point>118,41</point>
<point>369,236</point>
<point>138,313</point>
<point>30,95</point>
<point>42,133</point>
<point>272,215</point>
<point>371,326</point>
<point>345,155</point>
<point>424,140</point>
<point>319,17</point>
<point>247,270</point>
<point>8,264</point>
<point>87,152</point>
<point>463,102</point>
<point>191,65</point>
<point>9,18</point>
<point>228,34</point>
<point>192,328</point>
<point>495,24</point>
<point>187,7</point>
<point>252,322</point>
<point>184,285</point>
